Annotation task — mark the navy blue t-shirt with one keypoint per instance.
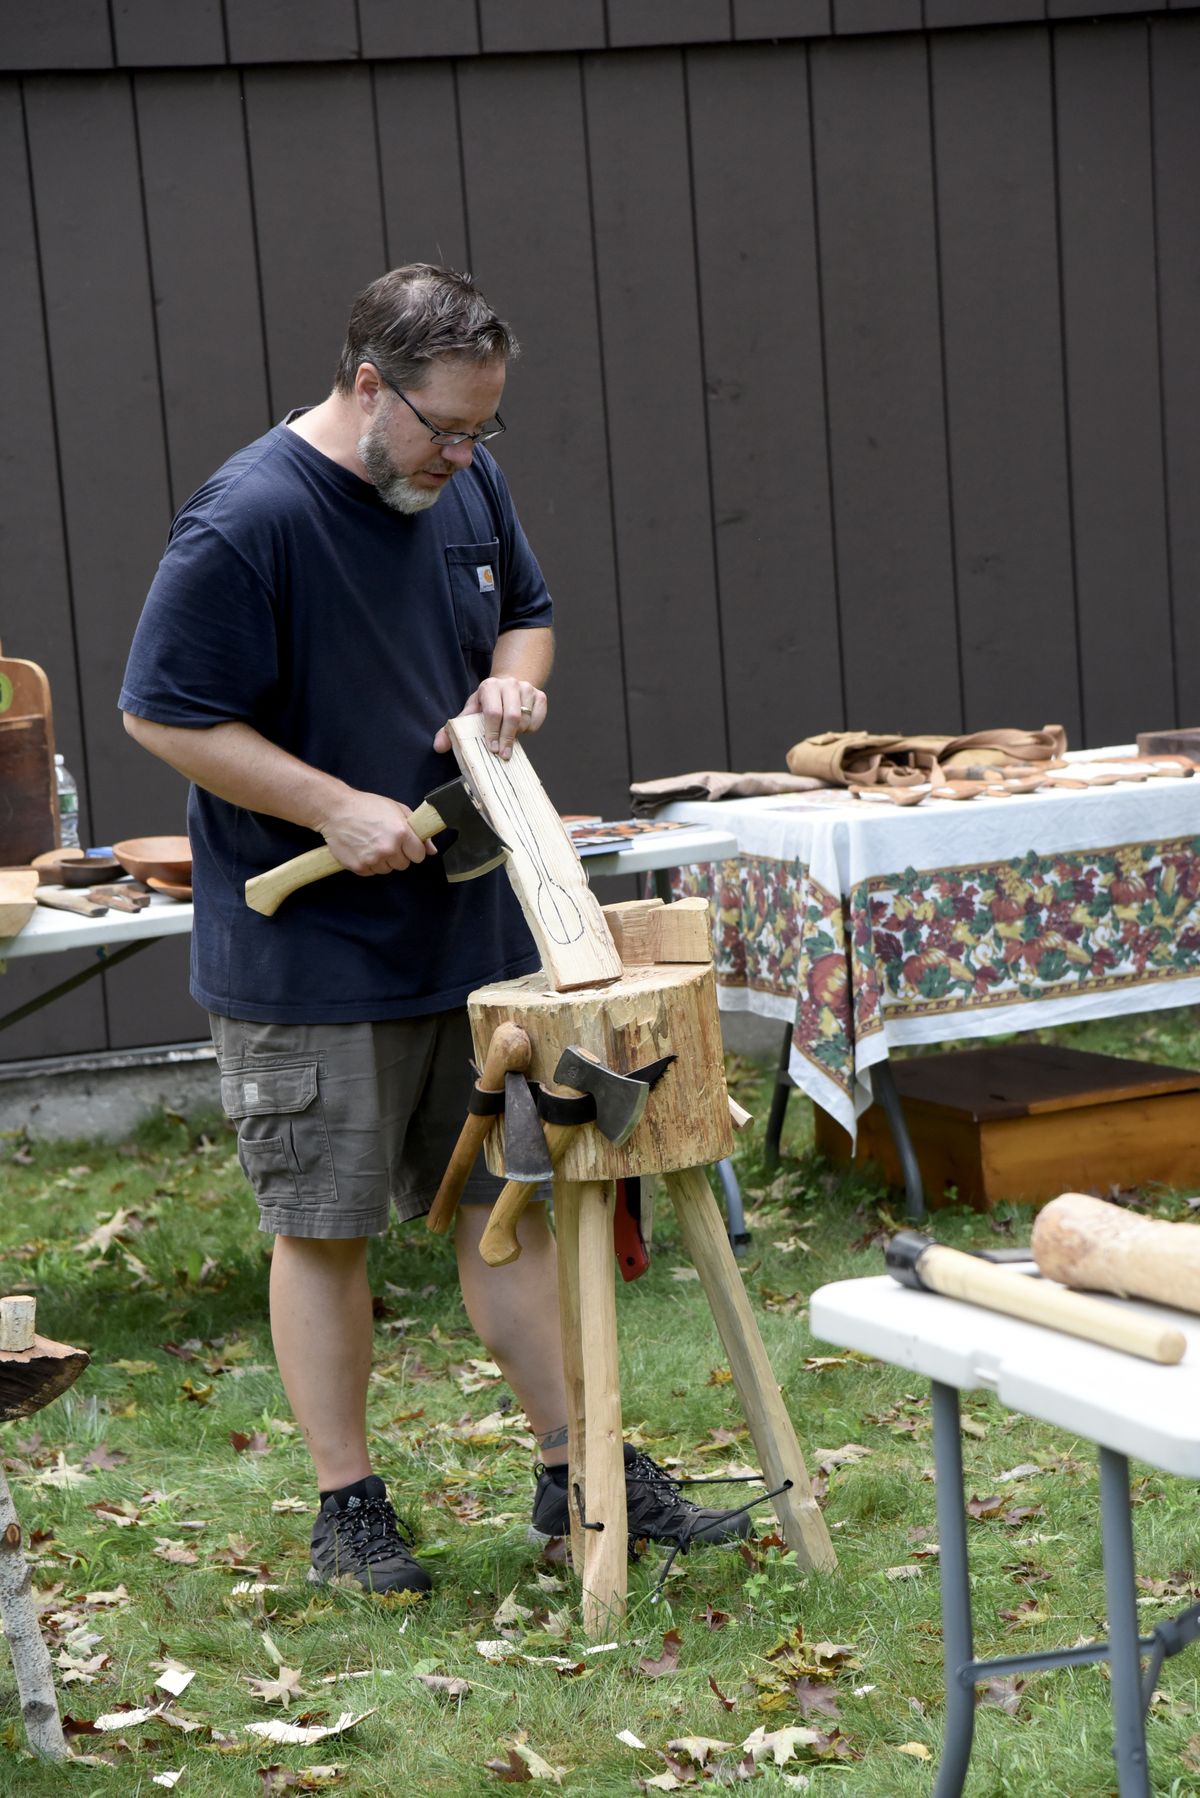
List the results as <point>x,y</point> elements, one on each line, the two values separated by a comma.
<point>291,598</point>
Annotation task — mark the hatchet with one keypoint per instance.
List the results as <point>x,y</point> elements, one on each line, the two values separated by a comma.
<point>476,850</point>
<point>917,1261</point>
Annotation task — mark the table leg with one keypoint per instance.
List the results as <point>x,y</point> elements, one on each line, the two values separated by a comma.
<point>605,1568</point>
<point>801,1523</point>
<point>1129,1725</point>
<point>566,1232</point>
<point>956,1593</point>
<point>779,1101</point>
<point>883,1085</point>
<point>104,962</point>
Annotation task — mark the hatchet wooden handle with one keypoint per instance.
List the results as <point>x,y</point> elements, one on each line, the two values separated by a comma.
<point>498,1245</point>
<point>959,1276</point>
<point>508,1052</point>
<point>265,893</point>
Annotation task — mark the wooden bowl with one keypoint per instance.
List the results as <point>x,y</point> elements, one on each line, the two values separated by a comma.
<point>166,858</point>
<point>90,871</point>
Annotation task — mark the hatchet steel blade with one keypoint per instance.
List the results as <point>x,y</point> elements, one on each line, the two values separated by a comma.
<point>620,1101</point>
<point>526,1156</point>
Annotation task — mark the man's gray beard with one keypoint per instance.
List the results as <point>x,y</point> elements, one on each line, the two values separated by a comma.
<point>394,489</point>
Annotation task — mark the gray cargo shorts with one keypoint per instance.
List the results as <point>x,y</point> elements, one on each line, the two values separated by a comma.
<point>339,1122</point>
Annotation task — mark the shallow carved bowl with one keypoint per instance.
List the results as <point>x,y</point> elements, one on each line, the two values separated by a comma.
<point>166,858</point>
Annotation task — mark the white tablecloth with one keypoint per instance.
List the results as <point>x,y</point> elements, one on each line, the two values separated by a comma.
<point>872,926</point>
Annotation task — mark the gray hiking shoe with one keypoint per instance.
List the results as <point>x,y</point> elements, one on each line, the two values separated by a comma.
<point>364,1540</point>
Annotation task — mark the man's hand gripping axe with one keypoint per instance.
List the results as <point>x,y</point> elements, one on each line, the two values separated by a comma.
<point>476,850</point>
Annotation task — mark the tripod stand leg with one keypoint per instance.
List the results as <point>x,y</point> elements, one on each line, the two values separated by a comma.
<point>801,1523</point>
<point>605,1552</point>
<point>566,1232</point>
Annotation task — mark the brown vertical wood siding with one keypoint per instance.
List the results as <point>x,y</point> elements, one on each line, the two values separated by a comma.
<point>859,384</point>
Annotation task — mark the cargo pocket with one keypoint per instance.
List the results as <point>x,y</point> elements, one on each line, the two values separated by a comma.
<point>473,570</point>
<point>283,1141</point>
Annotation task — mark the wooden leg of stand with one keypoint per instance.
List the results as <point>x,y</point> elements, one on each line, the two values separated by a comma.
<point>703,1228</point>
<point>566,1231</point>
<point>605,1553</point>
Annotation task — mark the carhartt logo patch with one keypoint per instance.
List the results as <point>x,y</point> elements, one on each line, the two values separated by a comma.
<point>486,579</point>
<point>250,1092</point>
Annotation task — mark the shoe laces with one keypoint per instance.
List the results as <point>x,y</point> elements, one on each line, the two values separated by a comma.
<point>371,1526</point>
<point>641,1467</point>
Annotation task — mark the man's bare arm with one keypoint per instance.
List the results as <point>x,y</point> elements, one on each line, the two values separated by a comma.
<point>512,699</point>
<point>367,832</point>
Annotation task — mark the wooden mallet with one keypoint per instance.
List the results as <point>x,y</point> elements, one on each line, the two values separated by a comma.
<point>1090,1243</point>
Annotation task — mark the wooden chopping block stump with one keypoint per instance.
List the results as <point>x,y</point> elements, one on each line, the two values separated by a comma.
<point>651,1012</point>
<point>663,1009</point>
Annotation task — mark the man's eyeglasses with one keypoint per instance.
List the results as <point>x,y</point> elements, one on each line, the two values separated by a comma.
<point>493,428</point>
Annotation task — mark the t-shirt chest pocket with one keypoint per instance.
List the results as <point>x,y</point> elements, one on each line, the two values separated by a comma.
<point>474,574</point>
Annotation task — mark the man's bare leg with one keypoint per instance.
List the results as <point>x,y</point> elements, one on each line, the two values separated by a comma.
<point>322,1328</point>
<point>514,1311</point>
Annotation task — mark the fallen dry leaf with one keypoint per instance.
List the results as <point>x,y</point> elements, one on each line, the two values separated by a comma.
<point>443,1685</point>
<point>1018,1473</point>
<point>1005,1694</point>
<point>512,1770</point>
<point>305,1733</point>
<point>179,1554</point>
<point>728,1704</point>
<point>510,1614</point>
<point>697,1748</point>
<point>918,1750</point>
<point>101,1458</point>
<point>630,1740</point>
<point>668,1661</point>
<point>812,1698</point>
<point>61,1475</point>
<point>257,1443</point>
<point>305,1779</point>
<point>282,1690</point>
<point>78,1670</point>
<point>780,1744</point>
<point>130,1718</point>
<point>985,1507</point>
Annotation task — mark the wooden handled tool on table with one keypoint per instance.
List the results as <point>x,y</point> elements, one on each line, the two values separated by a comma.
<point>917,1261</point>
<point>477,849</point>
<point>508,1053</point>
<point>1088,1242</point>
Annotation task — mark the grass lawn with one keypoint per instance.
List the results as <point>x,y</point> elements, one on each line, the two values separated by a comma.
<point>169,1484</point>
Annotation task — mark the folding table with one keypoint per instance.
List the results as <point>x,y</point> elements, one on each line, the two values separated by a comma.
<point>1127,1406</point>
<point>114,938</point>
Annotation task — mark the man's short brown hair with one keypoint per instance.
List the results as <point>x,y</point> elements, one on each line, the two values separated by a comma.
<point>414,316</point>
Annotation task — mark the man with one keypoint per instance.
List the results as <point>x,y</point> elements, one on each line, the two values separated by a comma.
<point>327,600</point>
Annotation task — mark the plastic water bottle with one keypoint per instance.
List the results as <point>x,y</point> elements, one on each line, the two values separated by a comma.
<point>68,805</point>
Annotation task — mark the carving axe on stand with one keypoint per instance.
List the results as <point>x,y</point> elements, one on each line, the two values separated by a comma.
<point>618,1103</point>
<point>524,1146</point>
